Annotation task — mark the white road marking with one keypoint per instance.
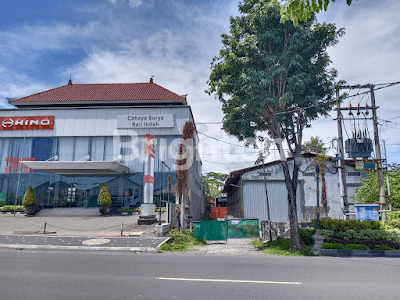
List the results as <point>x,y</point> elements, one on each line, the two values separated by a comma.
<point>228,280</point>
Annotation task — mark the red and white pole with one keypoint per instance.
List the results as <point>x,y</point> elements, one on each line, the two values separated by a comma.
<point>148,209</point>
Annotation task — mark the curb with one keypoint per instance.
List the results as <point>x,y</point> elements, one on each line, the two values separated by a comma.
<point>360,253</point>
<point>52,247</point>
<point>167,240</point>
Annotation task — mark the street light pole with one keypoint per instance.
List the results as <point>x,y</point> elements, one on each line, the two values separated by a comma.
<point>162,192</point>
<point>318,238</point>
<point>317,171</point>
<point>169,187</point>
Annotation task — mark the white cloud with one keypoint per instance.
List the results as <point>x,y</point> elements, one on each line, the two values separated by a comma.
<point>135,3</point>
<point>132,3</point>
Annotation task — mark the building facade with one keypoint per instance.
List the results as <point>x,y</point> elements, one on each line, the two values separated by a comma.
<point>67,141</point>
<point>247,196</point>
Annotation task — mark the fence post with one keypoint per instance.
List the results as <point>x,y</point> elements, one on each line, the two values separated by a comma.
<point>122,228</point>
<point>226,226</point>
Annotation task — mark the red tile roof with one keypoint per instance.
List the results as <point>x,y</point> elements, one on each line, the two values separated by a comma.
<point>101,92</point>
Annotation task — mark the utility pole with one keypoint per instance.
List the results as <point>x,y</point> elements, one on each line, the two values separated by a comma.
<point>342,166</point>
<point>266,195</point>
<point>382,197</point>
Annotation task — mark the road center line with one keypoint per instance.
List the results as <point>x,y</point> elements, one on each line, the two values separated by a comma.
<point>228,280</point>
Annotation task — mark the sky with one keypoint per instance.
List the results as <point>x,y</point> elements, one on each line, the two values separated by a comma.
<point>45,43</point>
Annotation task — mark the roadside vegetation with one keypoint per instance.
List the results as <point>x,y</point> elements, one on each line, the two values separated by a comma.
<point>181,242</point>
<point>281,245</point>
<point>342,234</point>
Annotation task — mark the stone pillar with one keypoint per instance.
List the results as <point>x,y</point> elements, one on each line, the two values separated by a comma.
<point>318,241</point>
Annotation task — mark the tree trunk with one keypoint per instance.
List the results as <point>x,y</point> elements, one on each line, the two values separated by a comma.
<point>296,243</point>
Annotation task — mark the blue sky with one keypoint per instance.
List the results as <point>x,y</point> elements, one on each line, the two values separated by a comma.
<point>97,41</point>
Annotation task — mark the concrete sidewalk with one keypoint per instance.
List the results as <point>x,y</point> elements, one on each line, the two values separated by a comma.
<point>69,233</point>
<point>75,226</point>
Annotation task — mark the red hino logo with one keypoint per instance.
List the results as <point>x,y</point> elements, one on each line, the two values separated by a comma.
<point>27,123</point>
<point>7,123</point>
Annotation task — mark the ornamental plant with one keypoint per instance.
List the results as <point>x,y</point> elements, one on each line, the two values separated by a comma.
<point>29,197</point>
<point>104,197</point>
<point>126,209</point>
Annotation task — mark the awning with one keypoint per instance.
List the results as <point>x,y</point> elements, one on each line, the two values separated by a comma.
<point>77,167</point>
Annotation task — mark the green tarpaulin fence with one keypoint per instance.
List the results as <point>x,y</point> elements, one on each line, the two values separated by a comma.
<point>222,230</point>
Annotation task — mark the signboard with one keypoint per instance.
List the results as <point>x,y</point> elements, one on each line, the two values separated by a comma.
<point>27,123</point>
<point>360,165</point>
<point>145,121</point>
<point>368,166</point>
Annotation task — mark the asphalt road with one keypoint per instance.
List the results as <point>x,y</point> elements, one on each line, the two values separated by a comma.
<point>121,275</point>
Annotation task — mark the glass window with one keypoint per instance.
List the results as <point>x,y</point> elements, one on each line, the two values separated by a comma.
<point>97,150</point>
<point>66,149</point>
<point>108,149</point>
<point>81,148</point>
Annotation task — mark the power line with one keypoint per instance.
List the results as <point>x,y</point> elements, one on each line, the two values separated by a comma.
<point>386,85</point>
<point>225,142</point>
<point>228,164</point>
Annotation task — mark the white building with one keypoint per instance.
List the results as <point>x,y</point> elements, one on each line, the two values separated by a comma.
<point>74,137</point>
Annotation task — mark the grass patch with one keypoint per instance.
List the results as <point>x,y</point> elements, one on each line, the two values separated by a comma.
<point>280,247</point>
<point>181,242</point>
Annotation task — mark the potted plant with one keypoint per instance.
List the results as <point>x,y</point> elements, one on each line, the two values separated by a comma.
<point>29,201</point>
<point>126,210</point>
<point>104,200</point>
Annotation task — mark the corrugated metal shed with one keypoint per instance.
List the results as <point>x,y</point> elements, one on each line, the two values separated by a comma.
<point>255,203</point>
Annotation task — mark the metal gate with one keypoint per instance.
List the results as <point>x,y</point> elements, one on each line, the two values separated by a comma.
<point>223,230</point>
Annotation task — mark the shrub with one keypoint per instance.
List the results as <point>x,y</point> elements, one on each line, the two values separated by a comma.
<point>366,234</point>
<point>382,247</point>
<point>138,209</point>
<point>163,209</point>
<point>327,245</point>
<point>125,209</point>
<point>306,235</point>
<point>355,247</point>
<point>104,197</point>
<point>343,225</point>
<point>11,208</point>
<point>29,197</point>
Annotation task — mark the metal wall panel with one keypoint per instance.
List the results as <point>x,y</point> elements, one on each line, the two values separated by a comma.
<point>255,204</point>
<point>94,121</point>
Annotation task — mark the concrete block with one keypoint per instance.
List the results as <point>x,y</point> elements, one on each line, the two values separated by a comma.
<point>361,253</point>
<point>329,252</point>
<point>392,253</point>
<point>148,209</point>
<point>377,253</point>
<point>163,228</point>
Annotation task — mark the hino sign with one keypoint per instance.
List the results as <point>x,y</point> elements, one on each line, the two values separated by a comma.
<point>27,123</point>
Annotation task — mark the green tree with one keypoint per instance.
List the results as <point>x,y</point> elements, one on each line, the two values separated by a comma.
<point>368,192</point>
<point>104,197</point>
<point>276,80</point>
<point>214,183</point>
<point>29,197</point>
<point>315,144</point>
<point>302,10</point>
